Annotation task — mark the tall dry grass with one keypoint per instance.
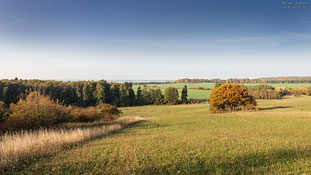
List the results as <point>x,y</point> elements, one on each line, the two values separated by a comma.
<point>24,145</point>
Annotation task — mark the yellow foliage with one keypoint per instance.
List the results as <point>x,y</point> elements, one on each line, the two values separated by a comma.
<point>231,97</point>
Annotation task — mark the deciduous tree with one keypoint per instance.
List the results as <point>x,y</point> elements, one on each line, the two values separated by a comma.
<point>230,97</point>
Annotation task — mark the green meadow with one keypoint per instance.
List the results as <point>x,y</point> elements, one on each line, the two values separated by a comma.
<point>186,139</point>
<point>203,95</point>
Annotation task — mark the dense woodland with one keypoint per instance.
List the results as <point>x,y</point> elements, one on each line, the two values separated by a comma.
<point>80,93</point>
<point>85,93</point>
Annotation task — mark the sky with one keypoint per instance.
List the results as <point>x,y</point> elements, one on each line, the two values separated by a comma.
<point>153,39</point>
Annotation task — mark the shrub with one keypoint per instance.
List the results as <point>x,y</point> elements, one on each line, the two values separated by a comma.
<point>36,111</point>
<point>90,114</point>
<point>78,114</point>
<point>264,92</point>
<point>283,91</point>
<point>231,97</point>
<point>191,101</point>
<point>109,109</point>
<point>108,112</point>
<point>302,90</point>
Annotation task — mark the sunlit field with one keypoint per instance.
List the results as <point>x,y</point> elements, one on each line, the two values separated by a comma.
<point>186,139</point>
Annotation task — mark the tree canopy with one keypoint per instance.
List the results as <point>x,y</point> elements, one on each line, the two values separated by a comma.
<point>171,96</point>
<point>184,95</point>
<point>231,97</point>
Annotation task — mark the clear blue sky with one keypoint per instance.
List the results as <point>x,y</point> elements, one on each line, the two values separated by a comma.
<point>153,39</point>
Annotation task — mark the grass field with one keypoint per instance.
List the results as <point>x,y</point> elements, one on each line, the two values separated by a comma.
<point>203,95</point>
<point>185,139</point>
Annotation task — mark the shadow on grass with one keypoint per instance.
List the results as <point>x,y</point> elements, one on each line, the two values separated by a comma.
<point>148,125</point>
<point>260,162</point>
<point>275,107</point>
<point>200,100</point>
<point>254,163</point>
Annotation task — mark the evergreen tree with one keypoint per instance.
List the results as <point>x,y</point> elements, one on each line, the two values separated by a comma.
<point>69,95</point>
<point>87,94</point>
<point>152,95</point>
<point>139,99</point>
<point>131,94</point>
<point>99,94</point>
<point>184,95</point>
<point>145,96</point>
<point>79,87</point>
<point>115,94</point>
<point>159,97</point>
<point>127,95</point>
<point>171,96</point>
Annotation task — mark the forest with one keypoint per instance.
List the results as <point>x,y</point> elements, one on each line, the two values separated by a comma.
<point>86,93</point>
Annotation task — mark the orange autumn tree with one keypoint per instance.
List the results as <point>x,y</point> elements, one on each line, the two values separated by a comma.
<point>231,97</point>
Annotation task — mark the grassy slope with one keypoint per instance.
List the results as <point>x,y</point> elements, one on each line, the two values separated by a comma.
<point>186,139</point>
<point>204,94</point>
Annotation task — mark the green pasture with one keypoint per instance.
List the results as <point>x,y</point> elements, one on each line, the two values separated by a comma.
<point>186,139</point>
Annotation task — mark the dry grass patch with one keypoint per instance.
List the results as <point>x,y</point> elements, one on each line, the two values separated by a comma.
<point>25,145</point>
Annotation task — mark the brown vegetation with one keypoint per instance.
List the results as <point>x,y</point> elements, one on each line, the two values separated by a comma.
<point>230,97</point>
<point>24,145</point>
<point>37,111</point>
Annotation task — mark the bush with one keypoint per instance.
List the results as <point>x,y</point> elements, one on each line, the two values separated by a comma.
<point>264,92</point>
<point>302,90</point>
<point>88,114</point>
<point>231,97</point>
<point>36,111</point>
<point>283,91</point>
<point>109,109</point>
<point>101,112</point>
<point>108,112</point>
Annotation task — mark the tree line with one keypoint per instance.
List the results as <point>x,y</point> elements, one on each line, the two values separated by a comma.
<point>87,93</point>
<point>300,80</point>
<point>79,93</point>
<point>269,92</point>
